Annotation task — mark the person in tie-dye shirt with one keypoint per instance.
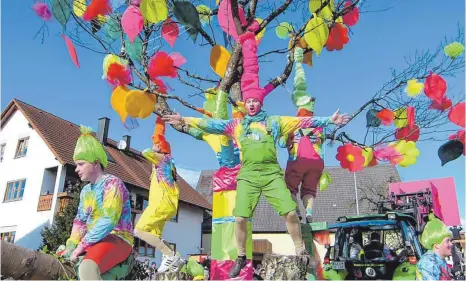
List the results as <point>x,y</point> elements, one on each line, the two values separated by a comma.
<point>436,238</point>
<point>163,199</point>
<point>102,229</point>
<point>256,136</point>
<point>305,162</point>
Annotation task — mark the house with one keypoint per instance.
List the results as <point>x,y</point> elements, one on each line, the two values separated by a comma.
<point>36,164</point>
<point>269,230</point>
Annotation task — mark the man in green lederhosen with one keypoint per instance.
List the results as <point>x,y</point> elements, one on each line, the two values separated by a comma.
<point>256,136</point>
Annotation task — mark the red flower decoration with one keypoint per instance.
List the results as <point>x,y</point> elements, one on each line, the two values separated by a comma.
<point>408,133</point>
<point>461,136</point>
<point>388,153</point>
<point>161,64</point>
<point>352,17</point>
<point>435,87</point>
<point>337,38</point>
<point>443,105</point>
<point>386,116</point>
<point>161,87</point>
<point>456,114</point>
<point>118,74</point>
<point>350,157</point>
<point>96,8</point>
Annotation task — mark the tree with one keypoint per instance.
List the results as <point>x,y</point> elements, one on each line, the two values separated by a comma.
<point>55,235</point>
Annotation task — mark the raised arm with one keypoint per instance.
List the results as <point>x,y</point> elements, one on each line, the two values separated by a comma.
<point>289,124</point>
<point>211,126</point>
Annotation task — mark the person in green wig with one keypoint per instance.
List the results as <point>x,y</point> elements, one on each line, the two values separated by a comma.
<point>436,238</point>
<point>102,229</point>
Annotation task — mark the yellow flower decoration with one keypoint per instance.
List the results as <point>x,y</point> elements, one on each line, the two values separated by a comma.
<point>413,88</point>
<point>408,150</point>
<point>139,104</point>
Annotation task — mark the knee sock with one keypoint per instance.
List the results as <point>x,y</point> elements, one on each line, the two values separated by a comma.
<point>241,229</point>
<point>294,229</point>
<point>154,241</point>
<point>89,270</point>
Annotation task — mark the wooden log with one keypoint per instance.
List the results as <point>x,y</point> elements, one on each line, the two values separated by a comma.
<point>282,267</point>
<point>23,264</point>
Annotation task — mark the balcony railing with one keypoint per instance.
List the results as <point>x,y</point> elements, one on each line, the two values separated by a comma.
<point>45,201</point>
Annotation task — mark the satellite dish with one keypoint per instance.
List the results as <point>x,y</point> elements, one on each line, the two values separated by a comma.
<point>122,144</point>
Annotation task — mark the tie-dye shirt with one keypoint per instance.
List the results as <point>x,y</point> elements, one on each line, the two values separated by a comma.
<point>292,142</point>
<point>432,267</point>
<point>278,126</point>
<point>104,208</point>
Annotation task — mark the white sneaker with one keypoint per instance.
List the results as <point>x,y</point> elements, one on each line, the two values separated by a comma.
<point>172,264</point>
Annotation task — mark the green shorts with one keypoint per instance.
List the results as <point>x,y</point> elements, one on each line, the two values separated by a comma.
<point>275,191</point>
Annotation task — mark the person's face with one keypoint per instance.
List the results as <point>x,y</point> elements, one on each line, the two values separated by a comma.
<point>85,170</point>
<point>444,248</point>
<point>253,106</point>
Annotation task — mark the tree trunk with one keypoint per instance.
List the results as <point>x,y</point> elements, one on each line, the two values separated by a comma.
<point>171,276</point>
<point>279,267</point>
<point>23,264</point>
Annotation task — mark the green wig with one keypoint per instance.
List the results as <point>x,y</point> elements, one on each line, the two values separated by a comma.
<point>88,148</point>
<point>434,232</point>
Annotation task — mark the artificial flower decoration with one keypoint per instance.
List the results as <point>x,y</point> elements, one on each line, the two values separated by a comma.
<point>456,114</point>
<point>435,87</point>
<point>450,151</point>
<point>79,7</point>
<point>408,133</point>
<point>187,15</point>
<point>118,101</point>
<point>337,38</point>
<point>170,31</point>
<point>118,74</point>
<point>350,157</point>
<point>401,117</point>
<point>388,153</point>
<point>352,17</point>
<point>204,14</point>
<point>454,49</point>
<point>61,10</point>
<point>139,104</point>
<point>42,10</point>
<point>219,57</point>
<point>108,60</point>
<point>460,135</point>
<point>316,34</point>
<point>371,118</point>
<point>443,105</point>
<point>161,64</point>
<point>132,22</point>
<point>408,150</point>
<point>96,8</point>
<point>368,154</point>
<point>324,181</point>
<point>161,87</point>
<point>413,88</point>
<point>325,12</point>
<point>386,116</point>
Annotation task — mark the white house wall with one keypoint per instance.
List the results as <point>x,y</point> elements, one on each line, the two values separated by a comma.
<point>186,233</point>
<point>22,215</point>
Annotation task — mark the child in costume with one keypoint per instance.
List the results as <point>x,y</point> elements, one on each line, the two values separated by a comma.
<point>256,136</point>
<point>305,162</point>
<point>436,238</point>
<point>163,199</point>
<point>102,228</point>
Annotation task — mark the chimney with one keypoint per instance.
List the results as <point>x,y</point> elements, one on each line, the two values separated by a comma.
<point>102,132</point>
<point>127,139</point>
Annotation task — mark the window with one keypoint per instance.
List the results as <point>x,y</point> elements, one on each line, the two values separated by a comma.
<point>8,236</point>
<point>2,151</point>
<point>175,217</point>
<point>14,190</point>
<point>22,148</point>
<point>144,249</point>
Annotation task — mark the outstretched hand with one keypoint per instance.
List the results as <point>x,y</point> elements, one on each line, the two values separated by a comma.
<point>340,119</point>
<point>173,119</point>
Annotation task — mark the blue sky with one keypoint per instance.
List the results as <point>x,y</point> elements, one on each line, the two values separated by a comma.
<point>44,76</point>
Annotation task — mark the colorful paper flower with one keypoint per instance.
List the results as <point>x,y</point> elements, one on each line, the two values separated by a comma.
<point>408,150</point>
<point>368,154</point>
<point>350,157</point>
<point>413,88</point>
<point>352,17</point>
<point>337,38</point>
<point>42,10</point>
<point>139,104</point>
<point>454,49</point>
<point>388,153</point>
<point>456,114</point>
<point>435,87</point>
<point>386,116</point>
<point>442,105</point>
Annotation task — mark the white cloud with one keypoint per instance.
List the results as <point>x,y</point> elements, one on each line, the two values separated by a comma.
<point>189,175</point>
